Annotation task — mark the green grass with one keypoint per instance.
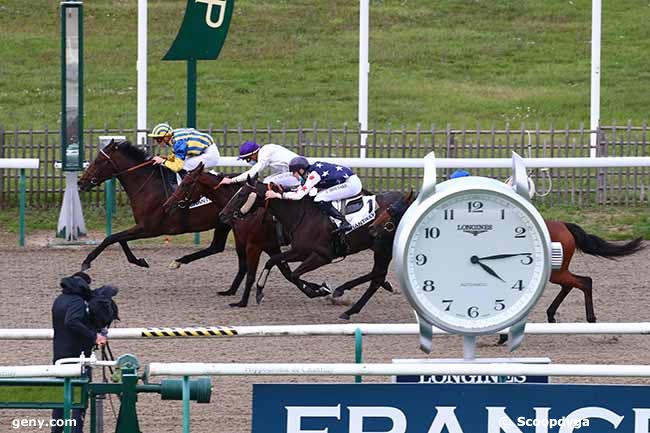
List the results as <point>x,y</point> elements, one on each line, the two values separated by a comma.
<point>36,394</point>
<point>609,222</point>
<point>295,62</point>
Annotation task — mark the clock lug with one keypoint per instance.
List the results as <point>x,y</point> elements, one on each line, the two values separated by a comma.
<point>426,334</point>
<point>429,180</point>
<point>519,176</point>
<point>516,334</point>
<point>557,255</point>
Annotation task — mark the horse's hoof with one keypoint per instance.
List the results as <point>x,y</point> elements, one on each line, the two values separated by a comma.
<point>388,286</point>
<point>503,338</point>
<point>337,293</point>
<point>551,319</point>
<point>591,319</point>
<point>142,263</point>
<point>174,265</point>
<point>344,316</point>
<point>226,293</point>
<point>239,304</point>
<point>259,297</point>
<point>324,290</point>
<point>85,266</point>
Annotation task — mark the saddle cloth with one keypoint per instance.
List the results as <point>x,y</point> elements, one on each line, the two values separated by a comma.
<point>203,200</point>
<point>358,211</point>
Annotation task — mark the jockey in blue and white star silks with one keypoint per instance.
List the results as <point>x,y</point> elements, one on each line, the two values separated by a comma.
<point>331,181</point>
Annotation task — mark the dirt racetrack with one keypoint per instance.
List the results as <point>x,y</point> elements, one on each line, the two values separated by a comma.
<point>158,296</point>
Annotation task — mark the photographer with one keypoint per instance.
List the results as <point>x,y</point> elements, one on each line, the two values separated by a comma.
<point>76,329</point>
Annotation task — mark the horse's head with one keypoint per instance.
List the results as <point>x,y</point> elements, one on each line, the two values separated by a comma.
<point>189,191</point>
<point>246,199</point>
<point>110,160</point>
<point>388,219</point>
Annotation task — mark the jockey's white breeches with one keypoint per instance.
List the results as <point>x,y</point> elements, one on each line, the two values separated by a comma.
<point>209,158</point>
<point>350,188</point>
<point>284,179</point>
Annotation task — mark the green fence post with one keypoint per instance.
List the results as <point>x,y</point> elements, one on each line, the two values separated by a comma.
<point>186,404</point>
<point>67,403</point>
<point>109,189</point>
<point>21,217</point>
<point>358,351</point>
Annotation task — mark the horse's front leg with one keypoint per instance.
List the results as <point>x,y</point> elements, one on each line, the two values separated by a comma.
<point>131,257</point>
<point>287,257</point>
<point>136,232</point>
<point>217,245</point>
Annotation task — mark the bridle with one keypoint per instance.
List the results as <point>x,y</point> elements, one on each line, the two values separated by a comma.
<point>94,181</point>
<point>184,202</point>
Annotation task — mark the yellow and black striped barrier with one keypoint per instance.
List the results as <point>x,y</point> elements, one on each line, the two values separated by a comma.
<point>195,331</point>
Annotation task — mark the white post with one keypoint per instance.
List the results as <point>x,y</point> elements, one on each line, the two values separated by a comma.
<point>142,72</point>
<point>595,72</point>
<point>364,68</point>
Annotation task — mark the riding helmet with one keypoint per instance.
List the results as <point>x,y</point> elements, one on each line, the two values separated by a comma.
<point>247,149</point>
<point>297,163</point>
<point>161,130</point>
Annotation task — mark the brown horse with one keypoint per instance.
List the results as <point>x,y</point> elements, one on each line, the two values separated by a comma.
<point>312,241</point>
<point>146,186</point>
<point>570,235</point>
<point>253,235</point>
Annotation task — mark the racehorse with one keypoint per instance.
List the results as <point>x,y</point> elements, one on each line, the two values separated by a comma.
<point>252,235</point>
<point>146,186</point>
<point>312,241</point>
<point>570,235</point>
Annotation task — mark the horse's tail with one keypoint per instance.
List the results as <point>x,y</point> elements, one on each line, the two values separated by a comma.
<point>595,246</point>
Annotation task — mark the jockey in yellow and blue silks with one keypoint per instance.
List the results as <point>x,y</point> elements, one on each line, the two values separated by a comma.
<point>189,148</point>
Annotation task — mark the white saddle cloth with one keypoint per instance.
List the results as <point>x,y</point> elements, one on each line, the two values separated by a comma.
<point>360,210</point>
<point>203,200</point>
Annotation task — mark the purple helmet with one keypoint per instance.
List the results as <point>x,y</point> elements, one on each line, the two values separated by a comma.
<point>297,163</point>
<point>247,149</point>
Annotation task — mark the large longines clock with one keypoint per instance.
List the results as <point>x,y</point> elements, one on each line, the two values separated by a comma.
<point>473,255</point>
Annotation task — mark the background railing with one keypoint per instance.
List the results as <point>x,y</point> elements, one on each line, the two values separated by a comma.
<point>570,186</point>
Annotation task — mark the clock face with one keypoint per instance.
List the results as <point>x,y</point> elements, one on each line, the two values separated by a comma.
<point>475,262</point>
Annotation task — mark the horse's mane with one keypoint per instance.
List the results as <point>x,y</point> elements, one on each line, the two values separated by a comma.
<point>132,151</point>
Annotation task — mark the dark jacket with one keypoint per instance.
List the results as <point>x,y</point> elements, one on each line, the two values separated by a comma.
<point>73,332</point>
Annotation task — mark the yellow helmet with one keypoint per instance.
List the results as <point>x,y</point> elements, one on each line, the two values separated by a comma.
<point>161,130</point>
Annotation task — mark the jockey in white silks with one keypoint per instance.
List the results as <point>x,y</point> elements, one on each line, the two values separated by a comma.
<point>272,156</point>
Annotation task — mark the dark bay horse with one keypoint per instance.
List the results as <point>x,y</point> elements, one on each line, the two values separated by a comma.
<point>252,235</point>
<point>312,241</point>
<point>146,186</point>
<point>570,235</point>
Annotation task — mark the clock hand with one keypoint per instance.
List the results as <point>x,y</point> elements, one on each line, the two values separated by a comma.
<point>486,268</point>
<point>502,256</point>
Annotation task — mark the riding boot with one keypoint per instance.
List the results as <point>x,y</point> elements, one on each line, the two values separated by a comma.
<point>331,211</point>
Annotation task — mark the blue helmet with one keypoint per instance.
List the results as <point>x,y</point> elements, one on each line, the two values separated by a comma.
<point>247,149</point>
<point>459,173</point>
<point>297,163</point>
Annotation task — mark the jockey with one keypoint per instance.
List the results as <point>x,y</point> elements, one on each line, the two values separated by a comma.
<point>333,182</point>
<point>273,156</point>
<point>189,148</point>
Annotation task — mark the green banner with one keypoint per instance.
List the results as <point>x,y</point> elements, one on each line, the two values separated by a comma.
<point>203,30</point>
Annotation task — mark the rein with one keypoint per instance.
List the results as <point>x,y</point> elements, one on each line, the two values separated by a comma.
<point>116,168</point>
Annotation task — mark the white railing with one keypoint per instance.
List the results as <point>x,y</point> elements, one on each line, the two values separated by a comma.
<point>21,164</point>
<point>601,162</point>
<point>510,369</point>
<point>642,328</point>
<point>29,371</point>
